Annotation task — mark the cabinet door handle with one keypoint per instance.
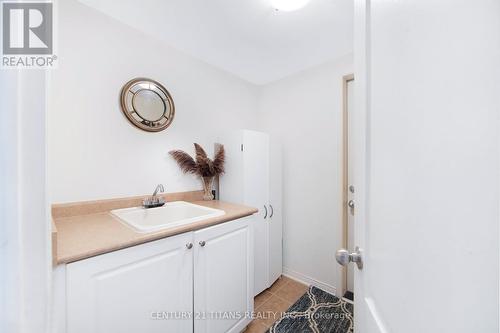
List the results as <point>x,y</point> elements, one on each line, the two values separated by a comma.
<point>265,208</point>
<point>202,243</point>
<point>272,210</point>
<point>189,246</point>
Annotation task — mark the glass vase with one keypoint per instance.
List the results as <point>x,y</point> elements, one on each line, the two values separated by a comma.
<point>207,188</point>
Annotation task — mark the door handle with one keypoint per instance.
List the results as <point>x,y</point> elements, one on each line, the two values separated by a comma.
<point>343,257</point>
<point>265,208</point>
<point>351,205</point>
<point>272,210</point>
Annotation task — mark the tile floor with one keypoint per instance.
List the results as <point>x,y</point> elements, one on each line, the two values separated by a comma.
<point>269,304</point>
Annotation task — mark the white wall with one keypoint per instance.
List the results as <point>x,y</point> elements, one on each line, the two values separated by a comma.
<point>95,152</point>
<point>304,112</point>
<point>9,229</point>
<point>24,225</point>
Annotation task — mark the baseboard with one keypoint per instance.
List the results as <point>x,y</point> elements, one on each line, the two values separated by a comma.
<point>309,281</point>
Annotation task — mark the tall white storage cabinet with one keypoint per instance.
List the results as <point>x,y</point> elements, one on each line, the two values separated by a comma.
<point>253,178</point>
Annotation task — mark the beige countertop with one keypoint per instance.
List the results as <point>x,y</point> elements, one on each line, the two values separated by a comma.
<point>77,237</point>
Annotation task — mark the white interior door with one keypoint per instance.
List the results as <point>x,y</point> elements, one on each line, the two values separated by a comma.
<point>427,180</point>
<point>351,201</point>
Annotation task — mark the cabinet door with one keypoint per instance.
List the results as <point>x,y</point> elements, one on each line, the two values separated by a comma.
<point>231,184</point>
<point>223,279</point>
<point>275,222</point>
<point>145,288</point>
<point>256,184</point>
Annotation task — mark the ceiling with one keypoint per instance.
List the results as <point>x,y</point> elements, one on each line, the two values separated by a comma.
<point>245,37</point>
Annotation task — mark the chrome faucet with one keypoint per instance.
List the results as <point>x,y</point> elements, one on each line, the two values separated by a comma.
<point>154,200</point>
<point>159,188</point>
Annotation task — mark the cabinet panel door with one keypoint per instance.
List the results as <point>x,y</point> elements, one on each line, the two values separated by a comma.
<point>231,184</point>
<point>275,222</point>
<point>256,184</point>
<point>223,279</point>
<point>137,289</point>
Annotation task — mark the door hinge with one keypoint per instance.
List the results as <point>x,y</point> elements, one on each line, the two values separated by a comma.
<point>241,147</point>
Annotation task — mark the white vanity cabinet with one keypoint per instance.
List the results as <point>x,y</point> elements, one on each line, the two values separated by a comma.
<point>223,277</point>
<point>119,291</point>
<point>176,284</point>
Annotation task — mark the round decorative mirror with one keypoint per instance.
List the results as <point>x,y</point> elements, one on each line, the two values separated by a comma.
<point>147,104</point>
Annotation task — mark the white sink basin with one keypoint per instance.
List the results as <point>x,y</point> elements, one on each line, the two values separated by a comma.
<point>172,214</point>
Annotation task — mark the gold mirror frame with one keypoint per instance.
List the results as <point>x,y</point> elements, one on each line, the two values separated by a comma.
<point>131,88</point>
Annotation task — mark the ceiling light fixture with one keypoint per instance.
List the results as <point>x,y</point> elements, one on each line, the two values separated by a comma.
<point>289,5</point>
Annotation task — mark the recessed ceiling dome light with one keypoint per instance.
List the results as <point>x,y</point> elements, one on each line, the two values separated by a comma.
<point>289,5</point>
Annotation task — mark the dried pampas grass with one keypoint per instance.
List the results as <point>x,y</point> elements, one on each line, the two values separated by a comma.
<point>201,164</point>
<point>186,162</point>
<point>219,159</point>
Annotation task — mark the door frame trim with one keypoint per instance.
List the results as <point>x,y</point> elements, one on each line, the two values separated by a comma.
<point>345,165</point>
